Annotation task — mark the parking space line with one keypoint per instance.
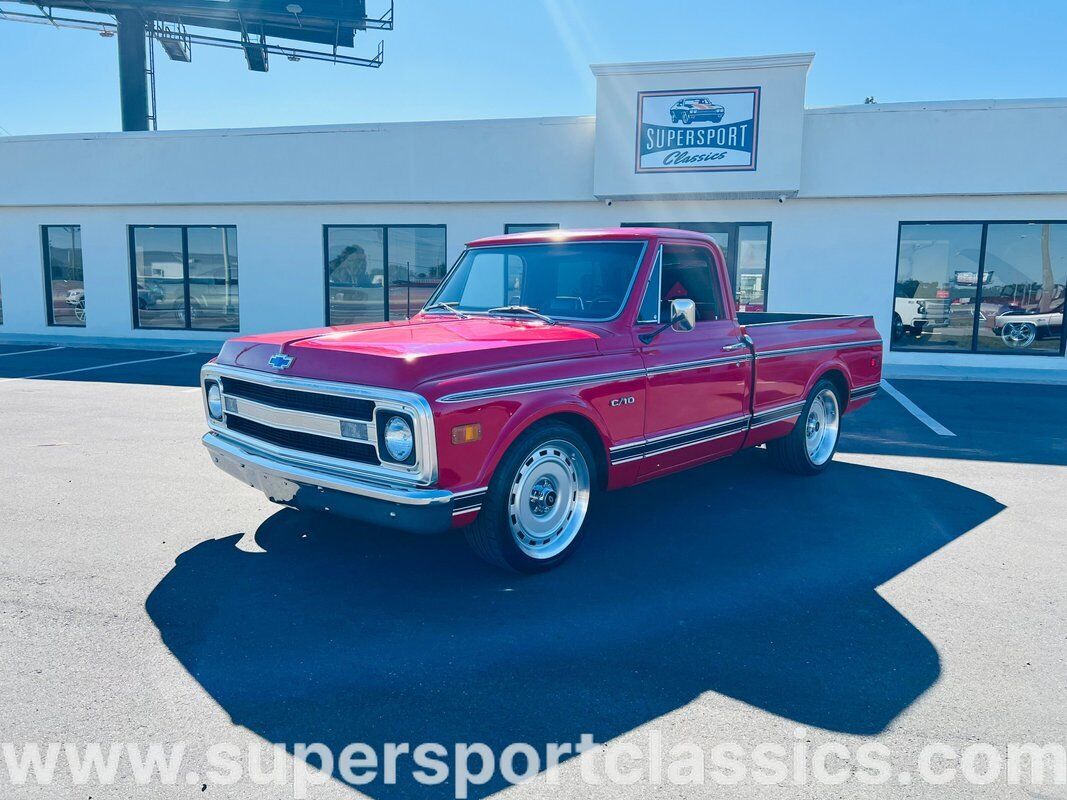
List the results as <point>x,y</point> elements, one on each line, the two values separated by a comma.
<point>38,350</point>
<point>915,411</point>
<point>98,366</point>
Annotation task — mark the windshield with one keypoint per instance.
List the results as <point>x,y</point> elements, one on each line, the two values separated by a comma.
<point>576,280</point>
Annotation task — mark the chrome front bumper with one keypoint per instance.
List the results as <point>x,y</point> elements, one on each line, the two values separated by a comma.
<point>405,508</point>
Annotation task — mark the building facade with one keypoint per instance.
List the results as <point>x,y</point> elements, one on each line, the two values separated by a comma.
<point>946,220</point>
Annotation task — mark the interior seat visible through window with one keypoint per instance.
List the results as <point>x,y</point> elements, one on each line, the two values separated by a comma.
<point>688,272</point>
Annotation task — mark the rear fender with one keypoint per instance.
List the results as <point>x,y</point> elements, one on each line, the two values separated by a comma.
<point>837,371</point>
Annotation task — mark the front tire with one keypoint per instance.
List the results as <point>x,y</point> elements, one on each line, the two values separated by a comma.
<point>537,501</point>
<point>810,446</point>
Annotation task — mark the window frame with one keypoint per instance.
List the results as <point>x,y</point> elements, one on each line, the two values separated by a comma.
<point>657,270</point>
<point>46,262</point>
<point>537,226</point>
<point>734,231</point>
<point>717,288</point>
<point>639,264</point>
<point>385,261</point>
<point>135,309</point>
<point>979,293</point>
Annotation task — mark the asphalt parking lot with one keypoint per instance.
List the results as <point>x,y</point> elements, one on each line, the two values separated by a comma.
<point>914,593</point>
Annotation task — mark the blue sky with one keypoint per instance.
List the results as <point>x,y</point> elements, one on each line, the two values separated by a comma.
<point>514,58</point>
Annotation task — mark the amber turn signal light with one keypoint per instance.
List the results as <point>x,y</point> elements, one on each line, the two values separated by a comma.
<point>465,434</point>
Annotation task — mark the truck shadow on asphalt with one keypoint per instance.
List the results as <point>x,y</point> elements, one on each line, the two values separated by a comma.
<point>730,578</point>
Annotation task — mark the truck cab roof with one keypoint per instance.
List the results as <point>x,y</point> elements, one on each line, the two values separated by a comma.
<point>590,235</point>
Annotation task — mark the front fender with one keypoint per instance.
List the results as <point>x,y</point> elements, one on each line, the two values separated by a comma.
<point>532,411</point>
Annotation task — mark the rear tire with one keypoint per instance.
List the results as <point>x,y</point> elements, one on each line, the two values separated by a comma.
<point>533,513</point>
<point>810,447</point>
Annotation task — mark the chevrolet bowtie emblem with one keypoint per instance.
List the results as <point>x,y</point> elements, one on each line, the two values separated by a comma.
<point>281,361</point>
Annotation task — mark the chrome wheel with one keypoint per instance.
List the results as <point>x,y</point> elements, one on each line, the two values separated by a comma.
<point>548,499</point>
<point>1019,334</point>
<point>821,427</point>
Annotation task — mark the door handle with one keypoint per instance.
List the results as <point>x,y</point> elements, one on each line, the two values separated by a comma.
<point>737,346</point>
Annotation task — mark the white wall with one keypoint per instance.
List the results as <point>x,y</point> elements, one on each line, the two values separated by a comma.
<point>519,159</point>
<point>979,147</point>
<point>835,256</point>
<point>954,148</point>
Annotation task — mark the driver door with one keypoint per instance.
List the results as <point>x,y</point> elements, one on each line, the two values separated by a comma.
<point>698,381</point>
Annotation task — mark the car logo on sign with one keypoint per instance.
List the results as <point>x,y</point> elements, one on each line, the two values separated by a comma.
<point>281,361</point>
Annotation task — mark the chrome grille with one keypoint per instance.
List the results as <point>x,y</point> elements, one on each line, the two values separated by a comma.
<point>329,404</point>
<point>305,442</point>
<point>301,420</point>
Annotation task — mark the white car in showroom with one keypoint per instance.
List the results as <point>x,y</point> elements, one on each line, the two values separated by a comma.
<point>918,316</point>
<point>1021,327</point>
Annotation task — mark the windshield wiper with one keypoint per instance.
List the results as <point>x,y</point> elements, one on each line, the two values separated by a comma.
<point>533,312</point>
<point>450,307</point>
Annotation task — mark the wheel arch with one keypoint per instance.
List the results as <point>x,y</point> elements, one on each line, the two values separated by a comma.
<point>838,375</point>
<point>582,418</point>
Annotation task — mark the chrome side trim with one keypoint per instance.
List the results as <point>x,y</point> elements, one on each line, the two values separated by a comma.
<point>685,366</point>
<point>865,391</point>
<point>470,492</point>
<point>815,347</point>
<point>235,458</point>
<point>422,473</point>
<point>468,501</point>
<point>470,510</point>
<point>702,440</point>
<point>522,388</point>
<point>777,414</point>
<point>622,454</point>
<point>667,442</point>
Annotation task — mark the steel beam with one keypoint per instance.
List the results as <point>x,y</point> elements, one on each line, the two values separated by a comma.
<point>133,83</point>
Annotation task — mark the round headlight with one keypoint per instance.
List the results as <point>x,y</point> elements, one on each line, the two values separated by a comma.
<point>214,400</point>
<point>399,440</point>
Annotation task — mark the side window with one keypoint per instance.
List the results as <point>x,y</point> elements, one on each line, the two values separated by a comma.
<point>650,302</point>
<point>689,272</point>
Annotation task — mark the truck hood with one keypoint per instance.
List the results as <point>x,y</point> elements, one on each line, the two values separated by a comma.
<point>402,355</point>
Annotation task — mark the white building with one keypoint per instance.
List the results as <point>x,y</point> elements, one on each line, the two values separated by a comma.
<point>946,220</point>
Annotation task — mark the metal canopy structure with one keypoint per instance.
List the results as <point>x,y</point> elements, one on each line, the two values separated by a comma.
<point>332,23</point>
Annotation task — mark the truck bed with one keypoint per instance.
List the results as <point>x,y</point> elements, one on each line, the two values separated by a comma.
<point>792,348</point>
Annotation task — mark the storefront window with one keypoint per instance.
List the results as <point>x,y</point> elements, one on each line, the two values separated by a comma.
<point>186,277</point>
<point>746,246</point>
<point>937,280</point>
<point>212,259</point>
<point>753,244</point>
<point>527,228</point>
<point>1023,288</point>
<point>365,264</point>
<point>980,287</point>
<point>416,266</point>
<point>63,275</point>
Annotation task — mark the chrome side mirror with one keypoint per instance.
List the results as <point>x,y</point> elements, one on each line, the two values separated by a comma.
<point>683,314</point>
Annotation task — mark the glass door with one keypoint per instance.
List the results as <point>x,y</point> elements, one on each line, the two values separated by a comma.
<point>746,246</point>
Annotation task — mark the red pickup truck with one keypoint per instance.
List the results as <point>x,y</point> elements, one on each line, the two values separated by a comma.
<point>547,366</point>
